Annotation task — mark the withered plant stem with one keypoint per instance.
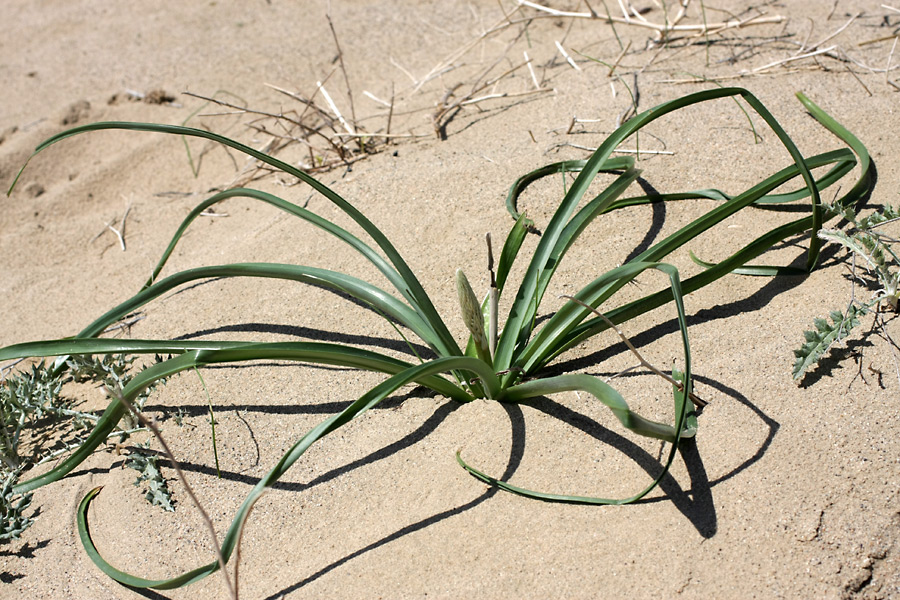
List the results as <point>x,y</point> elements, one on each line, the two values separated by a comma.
<point>699,402</point>
<point>149,424</point>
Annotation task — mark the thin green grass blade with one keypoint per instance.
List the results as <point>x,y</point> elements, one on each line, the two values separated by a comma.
<point>69,346</point>
<point>860,190</point>
<point>576,226</point>
<point>717,215</point>
<point>843,162</point>
<point>313,352</point>
<point>212,422</point>
<point>597,206</point>
<point>84,534</point>
<point>573,229</point>
<point>814,242</point>
<point>573,312</point>
<point>605,393</point>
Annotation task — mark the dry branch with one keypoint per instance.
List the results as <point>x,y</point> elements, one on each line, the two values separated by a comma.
<point>664,29</point>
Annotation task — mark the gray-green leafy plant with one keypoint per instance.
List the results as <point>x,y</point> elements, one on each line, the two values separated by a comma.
<point>871,249</point>
<point>157,491</point>
<point>33,398</point>
<point>511,368</point>
<point>112,371</point>
<point>24,399</point>
<point>13,520</point>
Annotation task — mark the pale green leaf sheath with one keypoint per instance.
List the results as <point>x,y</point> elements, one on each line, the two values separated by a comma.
<point>472,315</point>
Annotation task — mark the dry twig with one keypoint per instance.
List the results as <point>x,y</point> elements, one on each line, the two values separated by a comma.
<point>664,29</point>
<point>699,402</point>
<point>149,424</point>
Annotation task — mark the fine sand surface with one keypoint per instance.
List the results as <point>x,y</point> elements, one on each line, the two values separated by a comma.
<point>789,491</point>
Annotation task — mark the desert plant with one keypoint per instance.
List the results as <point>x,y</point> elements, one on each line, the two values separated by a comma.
<point>505,366</point>
<point>13,520</point>
<point>25,398</point>
<point>145,462</point>
<point>33,399</point>
<point>872,249</point>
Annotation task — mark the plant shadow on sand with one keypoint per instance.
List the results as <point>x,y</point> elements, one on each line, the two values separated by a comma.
<point>313,334</point>
<point>694,500</point>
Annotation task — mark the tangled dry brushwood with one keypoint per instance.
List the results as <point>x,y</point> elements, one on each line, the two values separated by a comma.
<point>317,135</point>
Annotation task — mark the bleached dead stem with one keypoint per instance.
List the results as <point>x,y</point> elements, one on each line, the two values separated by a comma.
<point>531,70</point>
<point>618,150</point>
<point>784,61</point>
<point>887,69</point>
<point>376,99</point>
<point>502,95</point>
<point>641,22</point>
<point>567,57</point>
<point>334,108</point>
<point>835,33</point>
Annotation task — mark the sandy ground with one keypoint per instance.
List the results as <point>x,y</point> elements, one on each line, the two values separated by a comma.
<point>789,491</point>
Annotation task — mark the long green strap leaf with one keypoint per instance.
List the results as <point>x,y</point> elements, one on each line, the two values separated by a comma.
<point>422,301</point>
<point>685,424</point>
<point>536,357</point>
<point>860,190</point>
<point>332,280</point>
<point>367,401</point>
<point>865,182</point>
<point>567,166</point>
<point>520,317</point>
<point>580,221</point>
<point>434,340</point>
<point>685,420</point>
<point>199,354</point>
<point>643,305</point>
